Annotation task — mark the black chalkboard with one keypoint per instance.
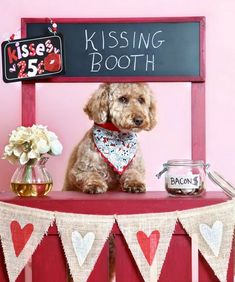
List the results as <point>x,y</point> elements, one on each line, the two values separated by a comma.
<point>32,58</point>
<point>153,50</point>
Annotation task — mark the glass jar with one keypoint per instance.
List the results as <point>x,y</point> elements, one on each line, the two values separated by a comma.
<point>32,179</point>
<point>184,177</point>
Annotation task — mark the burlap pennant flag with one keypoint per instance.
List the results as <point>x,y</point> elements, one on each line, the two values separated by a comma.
<point>21,231</point>
<point>83,237</point>
<point>214,226</point>
<point>148,237</point>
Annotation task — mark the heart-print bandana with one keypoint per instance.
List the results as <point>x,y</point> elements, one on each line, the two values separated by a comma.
<point>116,147</point>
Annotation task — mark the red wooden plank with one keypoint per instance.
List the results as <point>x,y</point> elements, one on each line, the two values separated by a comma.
<point>177,265</point>
<point>113,20</point>
<point>198,121</point>
<point>23,28</point>
<point>21,277</point>
<point>28,106</point>
<point>63,79</point>
<point>101,268</point>
<point>206,274</point>
<point>179,254</point>
<point>114,202</point>
<point>126,268</point>
<point>3,272</point>
<point>49,261</point>
<point>203,48</point>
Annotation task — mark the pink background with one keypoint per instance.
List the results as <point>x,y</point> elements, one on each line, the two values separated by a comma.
<point>60,105</point>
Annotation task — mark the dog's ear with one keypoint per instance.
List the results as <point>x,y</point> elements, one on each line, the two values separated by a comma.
<point>152,113</point>
<point>97,107</point>
<point>152,107</point>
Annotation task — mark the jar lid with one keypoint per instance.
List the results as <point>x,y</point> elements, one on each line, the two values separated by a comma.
<point>219,180</point>
<point>184,162</point>
<point>181,162</point>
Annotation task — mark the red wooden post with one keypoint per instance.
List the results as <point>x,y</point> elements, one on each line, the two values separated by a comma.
<point>126,268</point>
<point>198,121</point>
<point>28,103</point>
<point>3,271</point>
<point>206,274</point>
<point>28,114</point>
<point>175,261</point>
<point>101,268</point>
<point>49,261</point>
<point>21,277</point>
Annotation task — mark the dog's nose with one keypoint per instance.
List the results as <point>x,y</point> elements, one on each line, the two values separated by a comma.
<point>138,121</point>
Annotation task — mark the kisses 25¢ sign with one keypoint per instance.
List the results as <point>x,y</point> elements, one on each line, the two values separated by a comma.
<point>32,58</point>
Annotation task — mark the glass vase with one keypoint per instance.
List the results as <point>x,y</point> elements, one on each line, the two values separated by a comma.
<point>32,179</point>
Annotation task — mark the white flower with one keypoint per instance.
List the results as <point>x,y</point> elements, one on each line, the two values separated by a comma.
<point>26,143</point>
<point>42,146</point>
<point>56,147</point>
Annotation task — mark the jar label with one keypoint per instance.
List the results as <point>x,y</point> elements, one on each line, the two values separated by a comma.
<point>183,181</point>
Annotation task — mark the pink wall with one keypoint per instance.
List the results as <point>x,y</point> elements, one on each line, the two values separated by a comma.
<point>60,105</point>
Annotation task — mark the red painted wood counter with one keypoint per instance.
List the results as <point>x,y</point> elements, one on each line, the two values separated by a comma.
<point>48,263</point>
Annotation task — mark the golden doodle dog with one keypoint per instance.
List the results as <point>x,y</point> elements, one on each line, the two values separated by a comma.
<point>109,157</point>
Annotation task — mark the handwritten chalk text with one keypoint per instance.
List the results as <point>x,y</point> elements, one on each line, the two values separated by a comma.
<point>124,50</point>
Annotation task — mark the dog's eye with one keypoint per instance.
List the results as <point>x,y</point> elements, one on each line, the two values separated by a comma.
<point>141,100</point>
<point>123,100</point>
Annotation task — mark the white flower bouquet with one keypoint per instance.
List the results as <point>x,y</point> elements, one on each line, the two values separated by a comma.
<point>31,143</point>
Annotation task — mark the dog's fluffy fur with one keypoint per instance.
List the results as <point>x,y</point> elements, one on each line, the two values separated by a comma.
<point>121,104</point>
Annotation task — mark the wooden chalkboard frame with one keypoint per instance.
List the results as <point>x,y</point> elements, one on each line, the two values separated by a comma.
<point>200,20</point>
<point>198,114</point>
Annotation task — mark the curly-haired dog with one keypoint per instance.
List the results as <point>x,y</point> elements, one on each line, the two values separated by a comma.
<point>109,157</point>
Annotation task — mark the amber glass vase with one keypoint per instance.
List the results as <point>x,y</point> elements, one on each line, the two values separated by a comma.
<point>32,179</point>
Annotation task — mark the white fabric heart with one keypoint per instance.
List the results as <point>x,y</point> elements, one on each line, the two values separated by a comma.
<point>212,235</point>
<point>82,245</point>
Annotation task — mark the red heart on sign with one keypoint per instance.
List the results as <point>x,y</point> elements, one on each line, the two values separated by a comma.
<point>148,244</point>
<point>20,236</point>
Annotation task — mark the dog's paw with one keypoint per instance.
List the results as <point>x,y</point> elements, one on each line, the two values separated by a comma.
<point>95,188</point>
<point>133,186</point>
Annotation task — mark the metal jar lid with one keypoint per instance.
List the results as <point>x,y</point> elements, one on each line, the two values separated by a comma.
<point>219,180</point>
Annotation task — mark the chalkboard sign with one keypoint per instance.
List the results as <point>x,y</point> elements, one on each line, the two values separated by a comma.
<point>129,49</point>
<point>32,58</point>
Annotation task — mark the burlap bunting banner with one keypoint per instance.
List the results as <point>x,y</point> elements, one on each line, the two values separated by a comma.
<point>148,236</point>
<point>83,237</point>
<point>214,226</point>
<point>21,230</point>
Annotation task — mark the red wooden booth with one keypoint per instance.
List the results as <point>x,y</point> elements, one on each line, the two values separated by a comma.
<point>48,262</point>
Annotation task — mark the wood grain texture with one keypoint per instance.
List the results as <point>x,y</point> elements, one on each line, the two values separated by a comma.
<point>49,258</point>
<point>198,128</point>
<point>49,261</point>
<point>28,107</point>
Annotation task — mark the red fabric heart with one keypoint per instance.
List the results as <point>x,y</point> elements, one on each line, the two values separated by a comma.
<point>148,244</point>
<point>20,236</point>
